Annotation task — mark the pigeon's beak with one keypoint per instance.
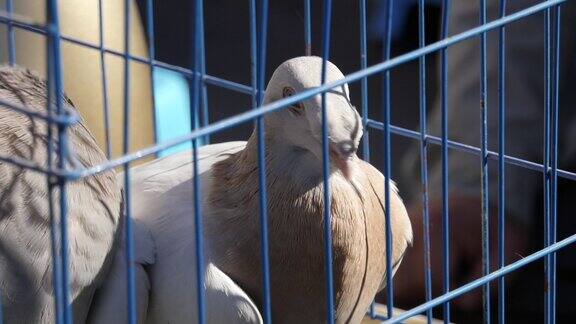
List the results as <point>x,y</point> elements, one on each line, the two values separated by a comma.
<point>341,155</point>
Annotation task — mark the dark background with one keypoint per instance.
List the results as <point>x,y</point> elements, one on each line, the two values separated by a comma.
<point>227,55</point>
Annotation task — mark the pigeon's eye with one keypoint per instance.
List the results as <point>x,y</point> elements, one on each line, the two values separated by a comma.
<point>297,108</point>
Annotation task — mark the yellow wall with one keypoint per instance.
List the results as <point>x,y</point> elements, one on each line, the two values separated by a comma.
<point>82,77</point>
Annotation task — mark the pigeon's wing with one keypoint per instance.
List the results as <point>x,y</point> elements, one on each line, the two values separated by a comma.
<point>93,208</point>
<point>110,304</point>
<point>159,176</point>
<point>400,222</point>
<point>226,301</point>
<point>162,196</point>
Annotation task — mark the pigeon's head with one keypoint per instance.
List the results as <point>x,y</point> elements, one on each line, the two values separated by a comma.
<point>301,124</point>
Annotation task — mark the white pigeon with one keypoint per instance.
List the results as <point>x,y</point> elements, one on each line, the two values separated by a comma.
<point>94,209</point>
<point>163,207</point>
<point>166,289</point>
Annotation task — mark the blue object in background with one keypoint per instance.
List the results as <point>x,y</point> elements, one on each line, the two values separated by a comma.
<point>172,109</point>
<point>400,11</point>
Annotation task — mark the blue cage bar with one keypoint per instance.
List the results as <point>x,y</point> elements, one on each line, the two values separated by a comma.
<point>59,174</point>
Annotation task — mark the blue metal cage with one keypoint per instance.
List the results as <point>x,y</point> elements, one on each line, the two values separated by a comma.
<point>60,174</point>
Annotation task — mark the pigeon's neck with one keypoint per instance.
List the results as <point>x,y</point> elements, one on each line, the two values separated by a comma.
<point>284,161</point>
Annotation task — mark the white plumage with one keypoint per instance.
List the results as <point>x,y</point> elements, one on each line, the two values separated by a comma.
<point>165,250</point>
<point>164,213</point>
<point>94,209</point>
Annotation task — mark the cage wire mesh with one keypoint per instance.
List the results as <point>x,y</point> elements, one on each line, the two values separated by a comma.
<point>60,174</point>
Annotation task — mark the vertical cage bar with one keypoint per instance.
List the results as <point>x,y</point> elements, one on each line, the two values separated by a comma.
<point>57,85</point>
<point>424,158</point>
<point>104,74</point>
<point>258,66</point>
<point>554,159</point>
<point>204,95</point>
<point>546,163</point>
<point>364,94</point>
<point>364,82</point>
<point>307,29</point>
<point>11,34</point>
<point>52,183</point>
<point>444,122</point>
<point>197,80</point>
<point>151,59</point>
<point>501,165</point>
<point>197,114</point>
<point>262,162</point>
<point>254,51</point>
<point>327,24</point>
<point>484,167</point>
<point>387,157</point>
<point>151,34</point>
<point>129,235</point>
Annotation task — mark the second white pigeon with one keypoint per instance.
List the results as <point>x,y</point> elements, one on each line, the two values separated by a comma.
<point>163,209</point>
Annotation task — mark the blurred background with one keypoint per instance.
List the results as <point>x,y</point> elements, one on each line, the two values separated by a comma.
<point>227,51</point>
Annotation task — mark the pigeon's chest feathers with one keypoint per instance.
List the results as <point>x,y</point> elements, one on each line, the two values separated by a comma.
<point>295,210</point>
<point>297,241</point>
